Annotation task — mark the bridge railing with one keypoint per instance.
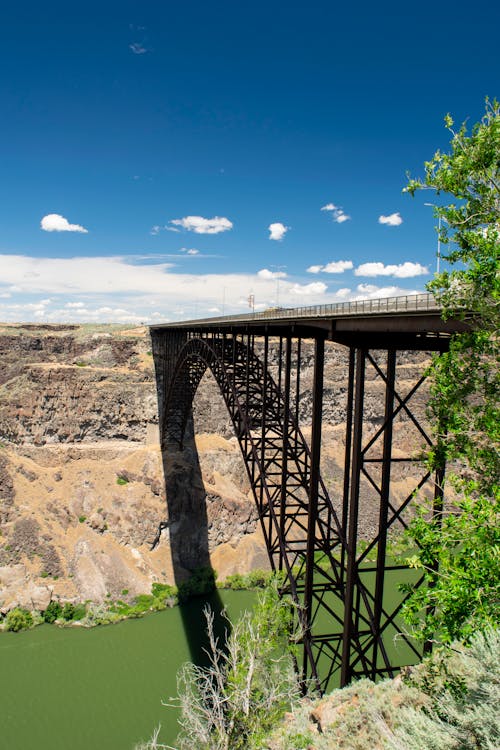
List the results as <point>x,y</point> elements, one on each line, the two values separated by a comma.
<point>404,303</point>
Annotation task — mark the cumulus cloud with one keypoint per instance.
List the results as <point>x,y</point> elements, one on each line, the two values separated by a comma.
<point>337,213</point>
<point>277,230</point>
<point>404,270</point>
<point>393,220</point>
<point>57,223</point>
<point>200,225</point>
<point>371,291</point>
<point>338,266</point>
<point>264,273</point>
<point>306,290</point>
<point>343,293</point>
<point>335,266</point>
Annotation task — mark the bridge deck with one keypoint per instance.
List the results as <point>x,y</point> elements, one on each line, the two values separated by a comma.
<point>410,321</point>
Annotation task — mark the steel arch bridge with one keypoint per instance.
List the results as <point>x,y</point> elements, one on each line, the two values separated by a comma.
<point>345,621</point>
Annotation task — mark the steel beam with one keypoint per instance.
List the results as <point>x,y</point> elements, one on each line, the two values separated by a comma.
<point>352,531</point>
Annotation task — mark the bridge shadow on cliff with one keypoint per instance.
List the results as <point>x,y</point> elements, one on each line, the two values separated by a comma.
<point>188,532</point>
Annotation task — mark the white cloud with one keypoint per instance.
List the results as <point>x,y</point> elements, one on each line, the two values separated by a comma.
<point>338,266</point>
<point>121,289</point>
<point>156,230</point>
<point>190,251</point>
<point>338,214</point>
<point>200,225</point>
<point>371,291</point>
<point>343,293</point>
<point>57,223</point>
<point>404,270</point>
<point>335,266</point>
<point>137,48</point>
<point>340,217</point>
<point>277,230</point>
<point>264,273</point>
<point>306,290</point>
<point>393,220</point>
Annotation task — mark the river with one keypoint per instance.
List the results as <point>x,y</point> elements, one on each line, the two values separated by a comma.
<point>99,688</point>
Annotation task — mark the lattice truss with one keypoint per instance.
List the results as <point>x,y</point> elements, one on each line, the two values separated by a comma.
<point>347,623</point>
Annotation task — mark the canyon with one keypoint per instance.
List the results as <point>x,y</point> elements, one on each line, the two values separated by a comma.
<point>83,504</point>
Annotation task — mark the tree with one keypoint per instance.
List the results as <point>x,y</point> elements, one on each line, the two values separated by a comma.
<point>464,539</point>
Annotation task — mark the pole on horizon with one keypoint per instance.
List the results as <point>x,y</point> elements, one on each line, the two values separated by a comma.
<point>278,274</point>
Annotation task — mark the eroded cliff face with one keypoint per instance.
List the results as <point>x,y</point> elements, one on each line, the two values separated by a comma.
<point>82,487</point>
<point>83,481</point>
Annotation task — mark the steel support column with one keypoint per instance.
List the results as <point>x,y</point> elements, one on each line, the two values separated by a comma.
<point>286,439</point>
<point>384,508</point>
<point>352,531</point>
<point>317,416</point>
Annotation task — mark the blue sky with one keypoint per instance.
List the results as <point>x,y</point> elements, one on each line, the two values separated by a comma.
<point>147,148</point>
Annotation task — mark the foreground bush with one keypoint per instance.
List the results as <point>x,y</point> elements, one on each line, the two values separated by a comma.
<point>248,685</point>
<point>449,702</point>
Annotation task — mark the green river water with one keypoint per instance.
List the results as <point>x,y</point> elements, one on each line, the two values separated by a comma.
<point>102,688</point>
<point>99,688</point>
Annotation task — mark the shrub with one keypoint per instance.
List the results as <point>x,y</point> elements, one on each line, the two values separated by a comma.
<point>79,612</point>
<point>121,480</point>
<point>53,612</point>
<point>18,619</point>
<point>464,688</point>
<point>68,611</point>
<point>163,591</point>
<point>201,583</point>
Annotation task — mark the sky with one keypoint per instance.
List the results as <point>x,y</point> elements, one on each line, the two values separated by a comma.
<point>163,161</point>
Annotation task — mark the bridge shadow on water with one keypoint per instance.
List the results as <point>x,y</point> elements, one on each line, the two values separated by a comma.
<point>188,532</point>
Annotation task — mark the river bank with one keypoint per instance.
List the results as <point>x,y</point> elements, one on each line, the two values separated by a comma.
<point>163,596</point>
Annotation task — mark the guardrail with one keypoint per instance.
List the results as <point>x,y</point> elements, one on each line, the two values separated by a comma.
<point>405,303</point>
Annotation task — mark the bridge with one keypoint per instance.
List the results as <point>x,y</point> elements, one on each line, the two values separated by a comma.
<point>337,577</point>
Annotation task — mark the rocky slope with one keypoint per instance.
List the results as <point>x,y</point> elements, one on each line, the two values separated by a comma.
<point>82,481</point>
